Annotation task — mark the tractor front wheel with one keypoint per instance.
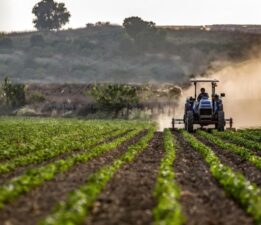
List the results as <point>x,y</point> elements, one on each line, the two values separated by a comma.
<point>189,121</point>
<point>221,121</point>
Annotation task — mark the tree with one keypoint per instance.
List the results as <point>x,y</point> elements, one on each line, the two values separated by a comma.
<point>135,26</point>
<point>14,94</point>
<point>114,97</point>
<point>145,34</point>
<point>50,15</point>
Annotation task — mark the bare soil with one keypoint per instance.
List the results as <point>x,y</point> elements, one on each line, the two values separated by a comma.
<point>203,201</point>
<point>128,197</point>
<point>38,203</point>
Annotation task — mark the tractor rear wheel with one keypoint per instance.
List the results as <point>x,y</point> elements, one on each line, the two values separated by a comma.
<point>189,121</point>
<point>221,121</point>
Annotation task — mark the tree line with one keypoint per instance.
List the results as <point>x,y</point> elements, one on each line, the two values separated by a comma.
<point>51,15</point>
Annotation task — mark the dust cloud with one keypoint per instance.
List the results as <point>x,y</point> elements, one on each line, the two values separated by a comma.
<point>241,82</point>
<point>164,120</point>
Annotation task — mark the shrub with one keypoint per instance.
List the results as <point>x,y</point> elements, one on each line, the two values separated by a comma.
<point>6,42</point>
<point>14,94</point>
<point>37,40</point>
<point>36,97</point>
<point>114,96</point>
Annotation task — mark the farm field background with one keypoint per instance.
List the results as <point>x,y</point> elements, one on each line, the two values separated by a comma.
<point>72,171</point>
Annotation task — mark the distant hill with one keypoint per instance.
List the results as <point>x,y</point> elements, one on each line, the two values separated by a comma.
<point>254,29</point>
<point>106,54</point>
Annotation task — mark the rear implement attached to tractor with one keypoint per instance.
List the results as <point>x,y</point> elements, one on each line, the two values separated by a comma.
<point>204,111</point>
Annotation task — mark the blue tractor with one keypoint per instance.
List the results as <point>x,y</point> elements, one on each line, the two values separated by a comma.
<point>204,110</point>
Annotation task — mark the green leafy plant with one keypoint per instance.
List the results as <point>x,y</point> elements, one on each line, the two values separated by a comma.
<point>237,139</point>
<point>66,145</point>
<point>36,176</point>
<point>14,94</point>
<point>168,210</point>
<point>250,135</point>
<point>114,96</point>
<point>243,152</point>
<point>76,207</point>
<point>248,195</point>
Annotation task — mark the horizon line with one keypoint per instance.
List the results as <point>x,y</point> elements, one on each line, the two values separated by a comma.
<point>120,25</point>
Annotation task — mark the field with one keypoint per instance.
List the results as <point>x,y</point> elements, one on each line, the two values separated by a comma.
<point>71,171</point>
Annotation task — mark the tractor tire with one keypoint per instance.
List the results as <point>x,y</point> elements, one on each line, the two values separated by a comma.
<point>221,121</point>
<point>189,122</point>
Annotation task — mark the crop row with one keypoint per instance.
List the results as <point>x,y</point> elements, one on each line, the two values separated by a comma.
<point>69,134</point>
<point>256,131</point>
<point>44,142</point>
<point>237,139</point>
<point>168,210</point>
<point>242,190</point>
<point>36,176</point>
<point>76,207</point>
<point>250,135</point>
<point>18,133</point>
<point>244,153</point>
<point>45,154</point>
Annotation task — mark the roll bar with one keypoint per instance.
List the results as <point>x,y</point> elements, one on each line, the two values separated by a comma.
<point>212,81</point>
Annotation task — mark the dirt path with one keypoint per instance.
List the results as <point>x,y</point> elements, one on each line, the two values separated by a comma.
<point>236,162</point>
<point>19,170</point>
<point>38,203</point>
<point>128,197</point>
<point>203,201</point>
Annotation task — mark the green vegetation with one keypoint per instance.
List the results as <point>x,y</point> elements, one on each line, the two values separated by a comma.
<point>29,137</point>
<point>37,40</point>
<point>250,135</point>
<point>36,97</point>
<point>243,191</point>
<point>67,144</point>
<point>36,176</point>
<point>114,96</point>
<point>168,210</point>
<point>109,54</point>
<point>243,152</point>
<point>237,139</point>
<point>76,207</point>
<point>13,94</point>
<point>5,42</point>
<point>50,15</point>
<point>55,149</point>
<point>145,34</point>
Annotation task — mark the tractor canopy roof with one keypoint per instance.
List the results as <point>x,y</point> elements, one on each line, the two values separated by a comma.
<point>204,80</point>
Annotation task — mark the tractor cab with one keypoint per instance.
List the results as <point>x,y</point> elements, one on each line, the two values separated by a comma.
<point>204,109</point>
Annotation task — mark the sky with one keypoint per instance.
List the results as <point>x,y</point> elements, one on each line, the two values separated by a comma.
<point>15,15</point>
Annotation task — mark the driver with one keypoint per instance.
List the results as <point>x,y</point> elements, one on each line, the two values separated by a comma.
<point>203,94</point>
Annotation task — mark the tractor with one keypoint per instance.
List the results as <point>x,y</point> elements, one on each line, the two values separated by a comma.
<point>204,111</point>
